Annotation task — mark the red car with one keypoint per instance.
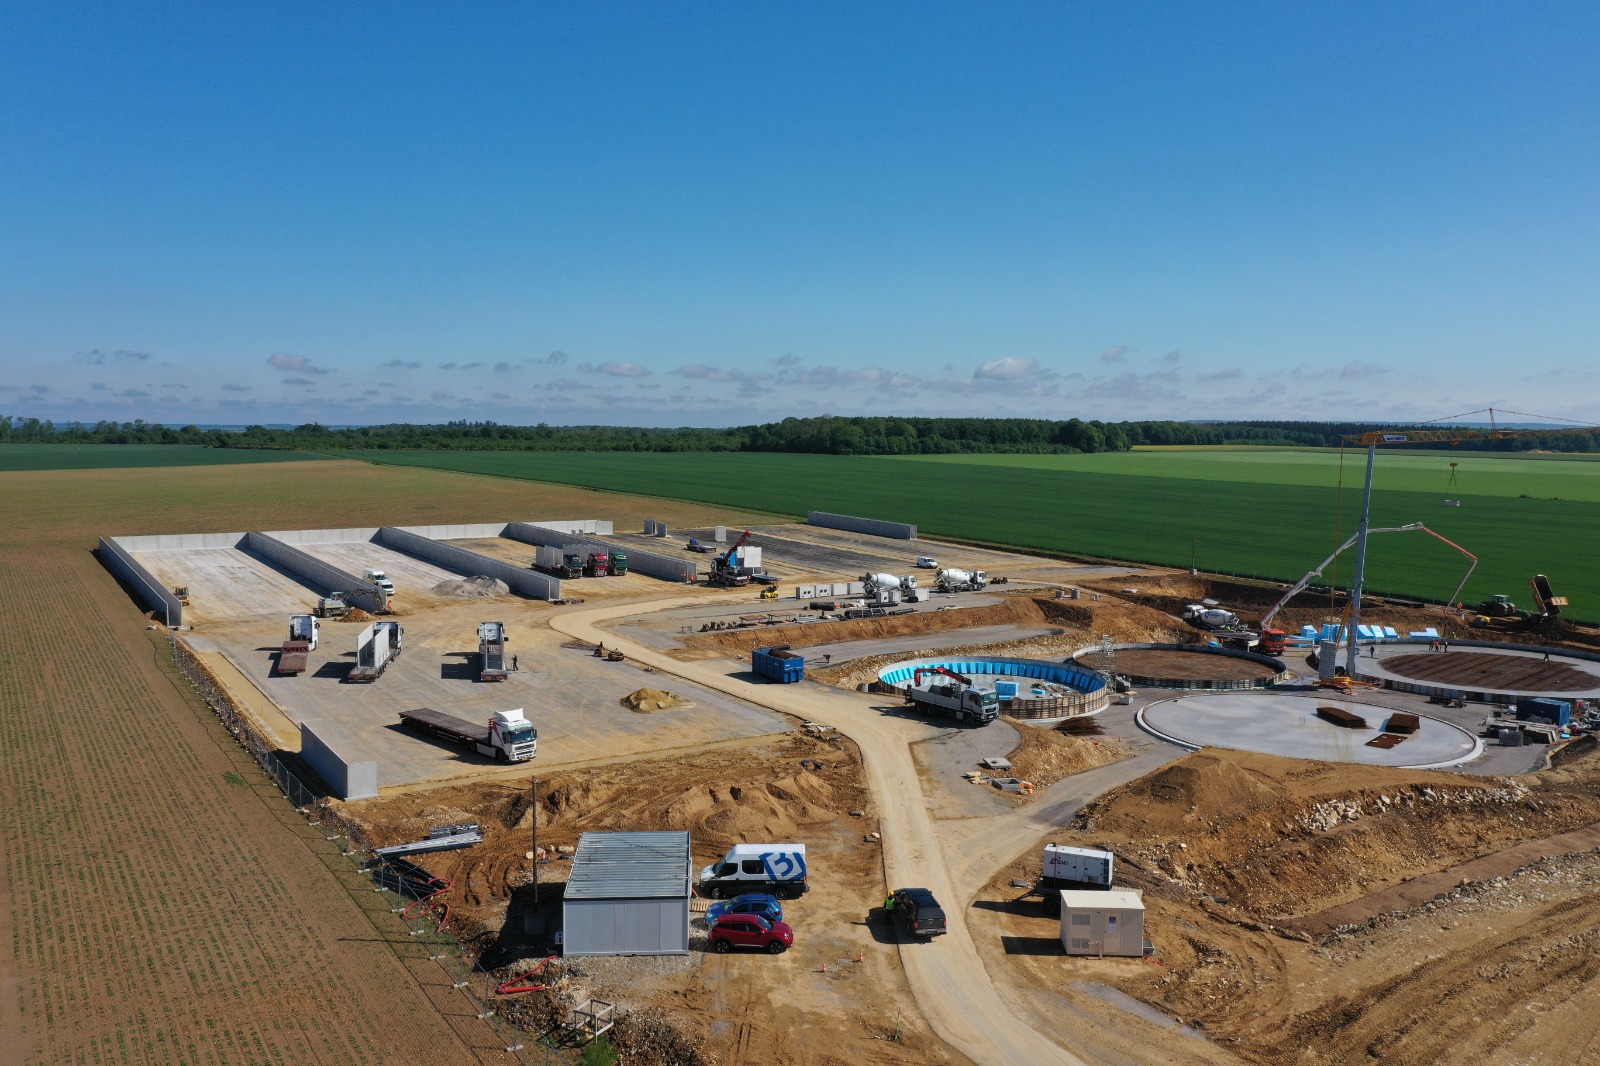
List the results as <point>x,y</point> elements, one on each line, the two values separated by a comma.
<point>750,931</point>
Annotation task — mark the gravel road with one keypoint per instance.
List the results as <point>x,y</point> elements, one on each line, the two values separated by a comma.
<point>946,976</point>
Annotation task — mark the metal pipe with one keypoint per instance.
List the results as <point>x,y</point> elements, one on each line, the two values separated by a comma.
<point>1353,619</point>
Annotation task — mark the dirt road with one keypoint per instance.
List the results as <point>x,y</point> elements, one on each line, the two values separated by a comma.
<point>946,976</point>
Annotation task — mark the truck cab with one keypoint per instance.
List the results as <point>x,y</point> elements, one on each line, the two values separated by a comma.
<point>512,737</point>
<point>619,564</point>
<point>597,565</point>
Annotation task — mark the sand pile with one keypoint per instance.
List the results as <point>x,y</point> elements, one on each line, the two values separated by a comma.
<point>479,587</point>
<point>356,614</point>
<point>649,700</point>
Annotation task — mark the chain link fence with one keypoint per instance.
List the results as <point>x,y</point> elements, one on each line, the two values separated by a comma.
<point>394,895</point>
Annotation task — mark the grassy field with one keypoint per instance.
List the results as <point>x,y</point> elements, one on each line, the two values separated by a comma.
<point>1256,512</point>
<point>120,456</point>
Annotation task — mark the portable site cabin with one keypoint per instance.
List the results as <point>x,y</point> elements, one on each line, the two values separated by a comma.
<point>628,894</point>
<point>1107,922</point>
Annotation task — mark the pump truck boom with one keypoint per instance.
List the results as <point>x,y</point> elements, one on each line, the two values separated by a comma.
<point>1274,641</point>
<point>508,736</point>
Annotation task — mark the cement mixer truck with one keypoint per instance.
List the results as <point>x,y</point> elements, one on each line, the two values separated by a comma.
<point>960,580</point>
<point>881,590</point>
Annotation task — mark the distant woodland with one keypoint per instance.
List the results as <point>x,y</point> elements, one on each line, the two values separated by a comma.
<point>827,435</point>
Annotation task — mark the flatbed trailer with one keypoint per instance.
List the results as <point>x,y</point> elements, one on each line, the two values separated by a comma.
<point>508,736</point>
<point>294,657</point>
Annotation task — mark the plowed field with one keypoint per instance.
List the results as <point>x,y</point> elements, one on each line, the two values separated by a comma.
<point>159,900</point>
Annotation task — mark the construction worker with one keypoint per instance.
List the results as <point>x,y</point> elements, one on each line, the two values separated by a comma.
<point>888,904</point>
<point>513,663</point>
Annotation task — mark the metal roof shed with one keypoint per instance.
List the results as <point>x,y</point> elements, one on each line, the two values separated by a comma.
<point>628,894</point>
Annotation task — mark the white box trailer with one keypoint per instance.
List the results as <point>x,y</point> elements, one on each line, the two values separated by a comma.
<point>1103,923</point>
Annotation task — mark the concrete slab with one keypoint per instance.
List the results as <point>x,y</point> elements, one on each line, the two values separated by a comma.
<point>230,585</point>
<point>1280,724</point>
<point>412,577</point>
<point>1494,670</point>
<point>571,697</point>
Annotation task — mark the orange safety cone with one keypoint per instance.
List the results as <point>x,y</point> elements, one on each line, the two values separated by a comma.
<point>824,968</point>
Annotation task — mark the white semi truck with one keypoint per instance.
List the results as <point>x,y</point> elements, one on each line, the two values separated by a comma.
<point>508,736</point>
<point>377,646</point>
<point>295,654</point>
<point>492,652</point>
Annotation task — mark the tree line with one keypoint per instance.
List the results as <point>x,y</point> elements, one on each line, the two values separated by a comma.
<point>826,435</point>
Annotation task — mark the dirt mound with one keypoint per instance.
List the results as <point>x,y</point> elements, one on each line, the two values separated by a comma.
<point>1045,756</point>
<point>1284,837</point>
<point>648,700</point>
<point>356,614</point>
<point>479,587</point>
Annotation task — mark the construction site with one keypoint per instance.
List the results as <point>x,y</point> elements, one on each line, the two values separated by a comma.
<point>1299,805</point>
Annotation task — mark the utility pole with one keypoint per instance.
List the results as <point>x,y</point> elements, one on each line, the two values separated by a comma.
<point>1353,616</point>
<point>535,841</point>
<point>1194,552</point>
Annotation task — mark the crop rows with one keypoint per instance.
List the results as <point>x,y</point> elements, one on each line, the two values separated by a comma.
<point>1250,528</point>
<point>164,912</point>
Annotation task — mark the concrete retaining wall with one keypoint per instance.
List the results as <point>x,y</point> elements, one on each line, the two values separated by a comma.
<point>470,531</point>
<point>328,748</point>
<point>156,596</point>
<point>870,526</point>
<point>525,582</point>
<point>358,591</point>
<point>163,542</point>
<point>594,526</point>
<point>666,567</point>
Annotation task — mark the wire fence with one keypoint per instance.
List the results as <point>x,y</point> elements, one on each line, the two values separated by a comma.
<point>397,897</point>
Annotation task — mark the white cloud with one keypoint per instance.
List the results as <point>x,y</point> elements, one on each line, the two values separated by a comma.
<point>298,363</point>
<point>1115,354</point>
<point>401,364</point>
<point>615,369</point>
<point>1011,368</point>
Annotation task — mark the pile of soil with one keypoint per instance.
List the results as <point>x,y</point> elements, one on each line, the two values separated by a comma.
<point>789,790</point>
<point>649,700</point>
<point>479,587</point>
<point>1045,755</point>
<point>356,614</point>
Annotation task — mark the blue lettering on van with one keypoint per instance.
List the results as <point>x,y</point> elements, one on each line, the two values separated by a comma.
<point>784,865</point>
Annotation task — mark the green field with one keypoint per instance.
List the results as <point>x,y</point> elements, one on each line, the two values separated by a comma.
<point>1256,512</point>
<point>95,456</point>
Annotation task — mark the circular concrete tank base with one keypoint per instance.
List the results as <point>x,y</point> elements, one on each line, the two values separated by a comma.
<point>1276,724</point>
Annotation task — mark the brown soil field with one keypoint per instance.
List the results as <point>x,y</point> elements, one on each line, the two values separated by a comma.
<point>1238,855</point>
<point>799,788</point>
<point>159,899</point>
<point>1146,662</point>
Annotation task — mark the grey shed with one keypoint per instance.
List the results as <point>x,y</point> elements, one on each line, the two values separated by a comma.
<point>628,894</point>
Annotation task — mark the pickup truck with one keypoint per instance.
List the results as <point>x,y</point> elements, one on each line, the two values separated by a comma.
<point>916,912</point>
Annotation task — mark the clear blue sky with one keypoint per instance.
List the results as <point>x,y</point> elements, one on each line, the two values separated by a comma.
<point>718,213</point>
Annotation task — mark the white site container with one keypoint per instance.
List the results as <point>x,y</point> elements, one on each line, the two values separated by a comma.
<point>1102,923</point>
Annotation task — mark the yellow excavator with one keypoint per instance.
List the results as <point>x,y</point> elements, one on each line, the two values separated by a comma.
<point>769,593</point>
<point>182,592</point>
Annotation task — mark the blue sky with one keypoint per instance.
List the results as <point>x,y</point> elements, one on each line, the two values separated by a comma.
<point>711,214</point>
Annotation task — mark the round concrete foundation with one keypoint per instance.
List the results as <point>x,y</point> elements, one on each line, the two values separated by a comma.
<point>1483,671</point>
<point>1289,725</point>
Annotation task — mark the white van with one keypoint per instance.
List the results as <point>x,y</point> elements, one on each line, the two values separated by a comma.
<point>380,579</point>
<point>927,562</point>
<point>776,868</point>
